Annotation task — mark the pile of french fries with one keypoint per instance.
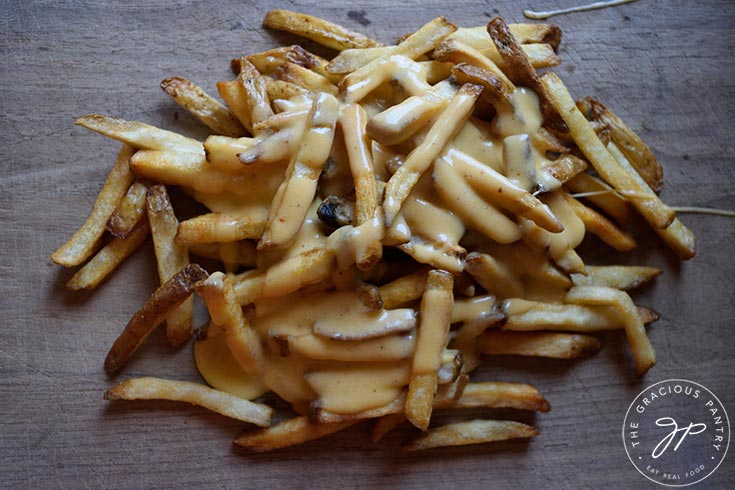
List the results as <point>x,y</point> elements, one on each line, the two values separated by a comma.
<point>432,192</point>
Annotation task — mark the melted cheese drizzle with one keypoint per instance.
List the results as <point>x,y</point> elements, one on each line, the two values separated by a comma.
<point>545,14</point>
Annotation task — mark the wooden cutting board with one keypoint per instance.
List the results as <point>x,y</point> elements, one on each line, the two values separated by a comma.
<point>664,66</point>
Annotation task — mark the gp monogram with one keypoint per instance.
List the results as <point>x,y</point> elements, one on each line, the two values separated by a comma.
<point>676,432</point>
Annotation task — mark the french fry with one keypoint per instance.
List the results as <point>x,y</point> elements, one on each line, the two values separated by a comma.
<point>290,432</point>
<point>243,253</point>
<point>297,190</point>
<point>380,349</point>
<point>83,243</point>
<point>643,352</point>
<point>494,90</point>
<point>495,394</point>
<point>266,62</point>
<point>624,277</point>
<point>527,34</point>
<point>404,289</point>
<point>233,93</point>
<point>223,153</point>
<point>318,30</point>
<point>475,211</point>
<point>566,168</point>
<point>601,195</point>
<point>647,203</point>
<point>436,313</point>
<point>418,161</point>
<point>167,297</point>
<point>459,53</point>
<point>256,94</point>
<point>129,211</point>
<point>598,225</point>
<point>305,78</point>
<point>108,259</point>
<point>209,111</point>
<point>493,275</point>
<point>221,227</point>
<point>538,344</point>
<point>197,394</point>
<point>471,432</point>
<point>278,89</point>
<point>170,258</point>
<point>139,135</point>
<point>219,295</point>
<point>496,188</point>
<point>539,55</point>
<point>632,146</point>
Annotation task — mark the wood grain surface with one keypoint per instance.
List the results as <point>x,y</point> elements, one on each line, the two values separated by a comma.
<point>665,66</point>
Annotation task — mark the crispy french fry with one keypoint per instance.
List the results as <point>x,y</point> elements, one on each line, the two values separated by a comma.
<point>643,352</point>
<point>256,94</point>
<point>223,153</point>
<point>539,55</point>
<point>459,53</point>
<point>170,258</point>
<point>598,225</point>
<point>493,275</point>
<point>140,135</point>
<point>647,203</point>
<point>108,259</point>
<point>290,432</point>
<point>402,182</point>
<point>233,93</point>
<point>291,202</point>
<point>221,227</point>
<point>494,394</point>
<point>632,146</point>
<point>566,168</point>
<point>279,89</point>
<point>527,34</point>
<point>624,277</point>
<point>159,305</point>
<point>471,432</point>
<point>305,78</point>
<point>266,62</point>
<point>436,314</point>
<point>385,424</point>
<point>83,243</point>
<point>218,293</point>
<point>197,394</point>
<point>538,344</point>
<point>318,30</point>
<point>129,211</point>
<point>494,90</point>
<point>404,289</point>
<point>601,195</point>
<point>209,111</point>
<point>243,253</point>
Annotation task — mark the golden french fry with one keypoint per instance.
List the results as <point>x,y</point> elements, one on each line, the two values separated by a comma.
<point>140,135</point>
<point>494,276</point>
<point>471,432</point>
<point>404,289</point>
<point>129,211</point>
<point>153,313</point>
<point>459,53</point>
<point>494,394</point>
<point>108,259</point>
<point>539,55</point>
<point>218,293</point>
<point>82,244</point>
<point>538,344</point>
<point>494,89</point>
<point>223,153</point>
<point>205,108</point>
<point>305,78</point>
<point>197,394</point>
<point>643,352</point>
<point>233,93</point>
<point>647,203</point>
<point>243,253</point>
<point>256,94</point>
<point>170,258</point>
<point>566,168</point>
<point>527,34</point>
<point>318,30</point>
<point>222,227</point>
<point>290,432</point>
<point>436,313</point>
<point>598,225</point>
<point>601,195</point>
<point>623,277</point>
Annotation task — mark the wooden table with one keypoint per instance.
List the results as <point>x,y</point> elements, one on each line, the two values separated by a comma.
<point>665,66</point>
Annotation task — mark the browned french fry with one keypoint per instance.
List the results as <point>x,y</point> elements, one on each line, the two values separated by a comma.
<point>256,94</point>
<point>140,135</point>
<point>290,432</point>
<point>291,275</point>
<point>129,211</point>
<point>385,424</point>
<point>624,277</point>
<point>296,192</point>
<point>538,344</point>
<point>566,168</point>
<point>205,108</point>
<point>108,258</point>
<point>404,289</point>
<point>305,78</point>
<point>521,72</point>
<point>218,293</point>
<point>155,310</point>
<point>278,89</point>
<point>643,352</point>
<point>436,314</point>
<point>223,153</point>
<point>494,394</point>
<point>459,53</point>
<point>601,195</point>
<point>221,227</point>
<point>632,146</point>
<point>527,34</point>
<point>171,258</point>
<point>197,394</point>
<point>83,243</point>
<point>243,253</point>
<point>494,90</point>
<point>402,182</point>
<point>539,55</point>
<point>471,432</point>
<point>493,275</point>
<point>233,93</point>
<point>647,203</point>
<point>318,30</point>
<point>598,225</point>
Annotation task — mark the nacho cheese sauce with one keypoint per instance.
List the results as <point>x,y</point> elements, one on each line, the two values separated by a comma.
<point>328,350</point>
